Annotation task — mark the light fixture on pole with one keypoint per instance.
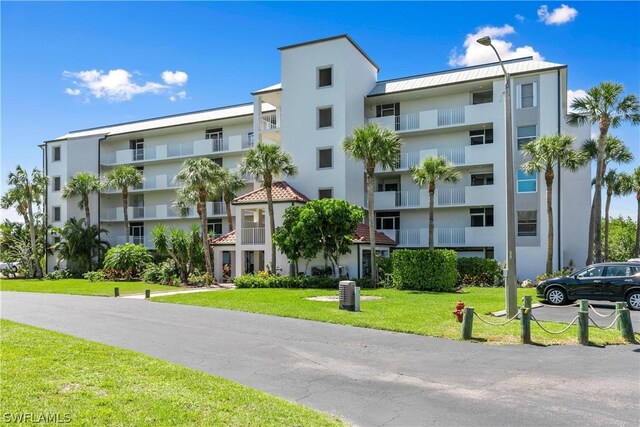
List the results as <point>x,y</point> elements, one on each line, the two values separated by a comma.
<point>511,283</point>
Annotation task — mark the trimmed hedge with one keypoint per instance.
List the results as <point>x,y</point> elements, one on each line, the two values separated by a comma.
<point>424,270</point>
<point>301,282</point>
<point>479,272</point>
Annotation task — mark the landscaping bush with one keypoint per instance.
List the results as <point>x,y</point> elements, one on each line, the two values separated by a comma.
<point>304,282</point>
<point>94,276</point>
<point>58,275</point>
<point>424,270</point>
<point>479,272</point>
<point>164,273</point>
<point>126,261</point>
<point>201,278</point>
<point>564,272</point>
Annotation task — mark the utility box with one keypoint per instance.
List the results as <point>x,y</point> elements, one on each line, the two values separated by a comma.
<point>347,295</point>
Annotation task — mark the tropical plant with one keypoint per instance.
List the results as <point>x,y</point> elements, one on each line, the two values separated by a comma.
<point>121,178</point>
<point>432,170</point>
<point>79,245</point>
<point>228,186</point>
<point>292,241</point>
<point>182,246</point>
<point>622,237</point>
<point>265,162</point>
<point>615,187</point>
<point>82,185</point>
<point>24,192</point>
<point>374,146</point>
<point>606,106</point>
<point>15,245</point>
<point>631,184</point>
<point>545,153</point>
<point>127,261</point>
<point>199,177</point>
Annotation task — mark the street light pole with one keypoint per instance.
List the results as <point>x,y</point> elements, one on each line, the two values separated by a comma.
<point>511,283</point>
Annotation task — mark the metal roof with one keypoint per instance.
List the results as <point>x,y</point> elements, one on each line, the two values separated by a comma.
<point>461,75</point>
<point>272,88</point>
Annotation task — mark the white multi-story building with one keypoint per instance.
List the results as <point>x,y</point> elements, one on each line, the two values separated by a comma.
<point>329,87</point>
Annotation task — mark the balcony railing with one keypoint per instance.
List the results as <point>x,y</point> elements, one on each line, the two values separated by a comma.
<point>450,196</point>
<point>456,236</point>
<point>154,212</point>
<point>269,121</point>
<point>119,240</point>
<point>253,236</point>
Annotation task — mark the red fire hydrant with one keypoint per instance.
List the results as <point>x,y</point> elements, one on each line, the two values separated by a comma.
<point>458,312</point>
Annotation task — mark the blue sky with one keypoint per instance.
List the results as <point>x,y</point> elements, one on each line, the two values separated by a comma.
<point>57,57</point>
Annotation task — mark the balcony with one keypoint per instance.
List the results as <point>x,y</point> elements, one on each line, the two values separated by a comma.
<point>443,197</point>
<point>405,162</point>
<point>469,155</point>
<point>460,236</point>
<point>159,212</point>
<point>269,122</point>
<point>151,182</point>
<point>136,240</point>
<point>252,236</point>
<point>427,120</point>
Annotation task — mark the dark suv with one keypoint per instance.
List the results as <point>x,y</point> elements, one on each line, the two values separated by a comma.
<point>609,281</point>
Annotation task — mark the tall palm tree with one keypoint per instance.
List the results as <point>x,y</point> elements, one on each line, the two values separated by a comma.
<point>615,184</point>
<point>80,244</point>
<point>374,146</point>
<point>264,162</point>
<point>432,170</point>
<point>631,184</point>
<point>545,153</point>
<point>228,186</point>
<point>199,177</point>
<point>606,106</point>
<point>24,192</point>
<point>82,185</point>
<point>121,178</point>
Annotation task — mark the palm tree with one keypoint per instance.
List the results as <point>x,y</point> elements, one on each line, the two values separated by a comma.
<point>80,244</point>
<point>374,146</point>
<point>228,186</point>
<point>615,184</point>
<point>545,154</point>
<point>24,191</point>
<point>605,105</point>
<point>82,185</point>
<point>121,178</point>
<point>180,245</point>
<point>264,162</point>
<point>432,170</point>
<point>631,184</point>
<point>199,177</point>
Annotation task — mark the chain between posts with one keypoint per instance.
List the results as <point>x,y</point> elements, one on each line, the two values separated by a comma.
<point>496,324</point>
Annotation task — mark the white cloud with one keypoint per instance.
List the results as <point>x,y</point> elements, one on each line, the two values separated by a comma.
<point>519,17</point>
<point>72,92</point>
<point>180,95</point>
<point>178,78</point>
<point>475,53</point>
<point>560,15</point>
<point>573,94</point>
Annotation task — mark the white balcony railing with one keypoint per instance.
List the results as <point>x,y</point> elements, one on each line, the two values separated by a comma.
<point>450,116</point>
<point>253,236</point>
<point>450,196</point>
<point>458,236</point>
<point>269,121</point>
<point>449,236</point>
<point>153,212</point>
<point>120,240</point>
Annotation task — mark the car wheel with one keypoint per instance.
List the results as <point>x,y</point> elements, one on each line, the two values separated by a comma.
<point>556,296</point>
<point>14,269</point>
<point>633,300</point>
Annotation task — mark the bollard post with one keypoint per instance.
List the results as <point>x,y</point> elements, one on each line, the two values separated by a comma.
<point>626,327</point>
<point>147,293</point>
<point>467,323</point>
<point>583,327</point>
<point>356,302</point>
<point>584,305</point>
<point>525,325</point>
<point>619,305</point>
<point>116,292</point>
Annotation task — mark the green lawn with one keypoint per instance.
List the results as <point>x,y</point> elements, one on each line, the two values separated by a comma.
<point>80,287</point>
<point>47,374</point>
<point>420,313</point>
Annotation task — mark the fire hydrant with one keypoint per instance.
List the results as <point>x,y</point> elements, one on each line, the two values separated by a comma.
<point>458,312</point>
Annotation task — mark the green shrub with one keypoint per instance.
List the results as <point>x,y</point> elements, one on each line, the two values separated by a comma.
<point>201,278</point>
<point>304,282</point>
<point>126,261</point>
<point>164,273</point>
<point>94,276</point>
<point>424,270</point>
<point>564,272</point>
<point>479,272</point>
<point>58,275</point>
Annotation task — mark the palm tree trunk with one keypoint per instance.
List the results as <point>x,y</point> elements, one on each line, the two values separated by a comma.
<point>606,225</point>
<point>597,237</point>
<point>549,180</point>
<point>592,229</point>
<point>432,191</point>
<point>636,251</point>
<point>32,236</point>
<point>87,214</point>
<point>202,209</point>
<point>272,226</point>
<point>25,217</point>
<point>125,213</point>
<point>372,226</point>
<point>227,203</point>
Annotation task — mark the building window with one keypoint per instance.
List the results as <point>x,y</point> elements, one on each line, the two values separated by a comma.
<point>214,226</point>
<point>325,117</point>
<point>527,183</point>
<point>386,110</point>
<point>388,221</point>
<point>137,146</point>
<point>213,133</point>
<point>56,153</point>
<point>481,217</point>
<point>325,158</point>
<point>527,223</point>
<point>481,136</point>
<point>136,232</point>
<point>217,161</point>
<point>526,134</point>
<point>57,214</point>
<point>325,193</point>
<point>325,77</point>
<point>482,97</point>
<point>527,96</point>
<point>57,183</point>
<point>141,185</point>
<point>56,240</point>
<point>481,179</point>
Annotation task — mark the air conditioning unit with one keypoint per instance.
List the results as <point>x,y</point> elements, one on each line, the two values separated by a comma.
<point>347,295</point>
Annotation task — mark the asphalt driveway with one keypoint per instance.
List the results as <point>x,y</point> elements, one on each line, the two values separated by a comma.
<point>598,309</point>
<point>366,377</point>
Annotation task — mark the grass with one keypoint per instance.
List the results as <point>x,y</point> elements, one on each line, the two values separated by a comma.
<point>420,313</point>
<point>80,287</point>
<point>47,374</point>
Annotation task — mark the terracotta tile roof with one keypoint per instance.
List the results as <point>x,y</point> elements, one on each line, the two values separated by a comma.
<point>281,192</point>
<point>361,235</point>
<point>225,239</point>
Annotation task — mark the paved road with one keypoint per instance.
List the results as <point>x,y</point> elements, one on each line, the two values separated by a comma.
<point>568,312</point>
<point>366,377</point>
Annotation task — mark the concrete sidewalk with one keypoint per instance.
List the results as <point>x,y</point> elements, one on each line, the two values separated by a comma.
<point>190,291</point>
<point>367,377</point>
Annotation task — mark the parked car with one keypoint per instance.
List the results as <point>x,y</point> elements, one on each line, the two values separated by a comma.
<point>10,266</point>
<point>609,281</point>
<point>634,260</point>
